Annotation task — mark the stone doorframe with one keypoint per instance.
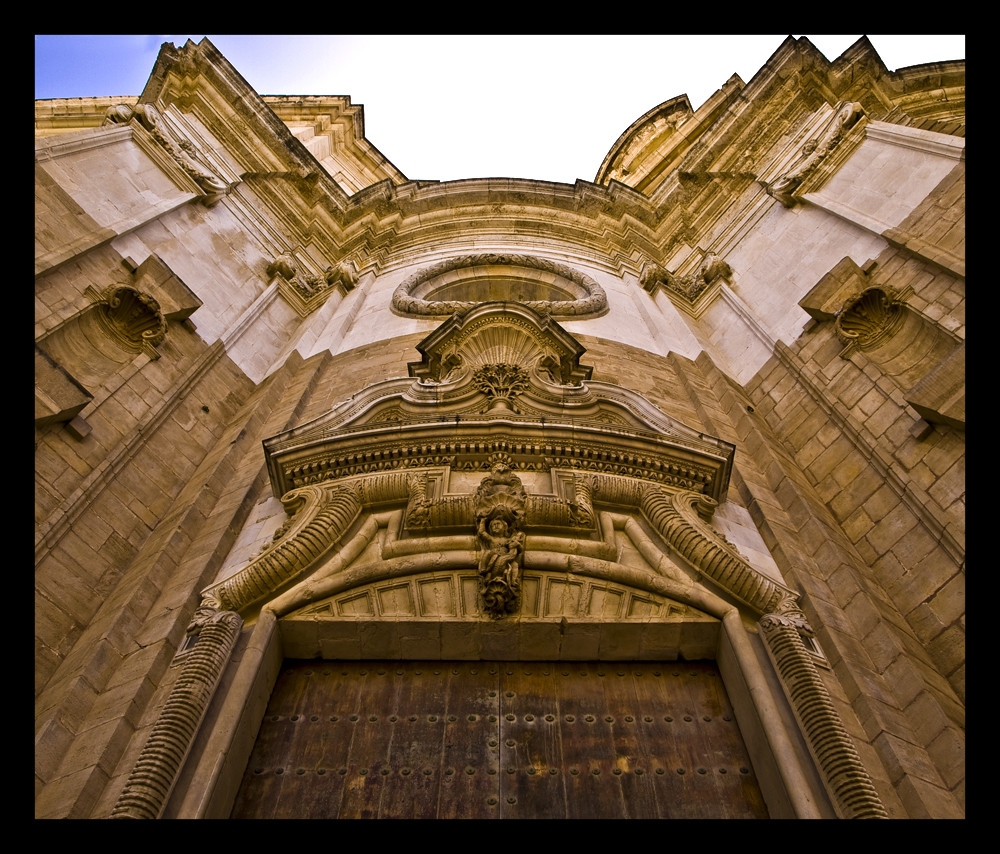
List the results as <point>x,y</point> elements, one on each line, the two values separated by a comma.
<point>389,485</point>
<point>196,755</point>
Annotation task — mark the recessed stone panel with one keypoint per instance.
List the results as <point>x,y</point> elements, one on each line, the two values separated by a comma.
<point>437,598</point>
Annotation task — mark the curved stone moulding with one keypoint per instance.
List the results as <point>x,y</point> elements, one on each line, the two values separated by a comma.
<point>321,515</point>
<point>413,296</point>
<point>678,517</point>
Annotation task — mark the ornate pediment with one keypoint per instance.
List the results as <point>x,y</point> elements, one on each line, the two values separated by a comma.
<point>499,379</point>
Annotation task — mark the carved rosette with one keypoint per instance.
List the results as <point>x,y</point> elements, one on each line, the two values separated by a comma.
<point>500,504</point>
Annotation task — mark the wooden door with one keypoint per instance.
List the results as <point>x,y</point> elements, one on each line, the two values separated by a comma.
<point>499,740</point>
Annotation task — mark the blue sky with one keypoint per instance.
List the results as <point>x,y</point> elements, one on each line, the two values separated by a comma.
<point>468,106</point>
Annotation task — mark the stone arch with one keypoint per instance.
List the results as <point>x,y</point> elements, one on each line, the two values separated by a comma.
<point>368,519</point>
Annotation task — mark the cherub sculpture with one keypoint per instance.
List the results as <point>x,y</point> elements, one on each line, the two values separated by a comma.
<point>500,503</point>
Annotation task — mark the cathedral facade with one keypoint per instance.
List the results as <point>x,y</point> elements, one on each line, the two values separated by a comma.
<point>359,496</point>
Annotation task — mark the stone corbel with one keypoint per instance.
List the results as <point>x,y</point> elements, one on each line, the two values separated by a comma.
<point>939,397</point>
<point>175,299</point>
<point>59,396</point>
<point>827,297</point>
<point>692,293</point>
<point>864,314</point>
<point>134,315</point>
<point>306,292</point>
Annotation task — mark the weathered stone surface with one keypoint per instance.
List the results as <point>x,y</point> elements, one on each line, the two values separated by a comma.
<point>238,313</point>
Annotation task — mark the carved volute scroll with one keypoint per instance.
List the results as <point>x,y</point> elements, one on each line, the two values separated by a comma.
<point>183,152</point>
<point>500,504</point>
<point>814,152</point>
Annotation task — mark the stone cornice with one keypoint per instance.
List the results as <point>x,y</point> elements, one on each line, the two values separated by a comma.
<point>499,379</point>
<point>198,79</point>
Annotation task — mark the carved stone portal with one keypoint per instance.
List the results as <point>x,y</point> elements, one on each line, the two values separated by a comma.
<point>499,502</point>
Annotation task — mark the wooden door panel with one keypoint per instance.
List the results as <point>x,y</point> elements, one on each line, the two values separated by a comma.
<point>499,740</point>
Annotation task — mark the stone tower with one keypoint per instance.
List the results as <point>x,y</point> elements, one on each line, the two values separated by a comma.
<point>322,453</point>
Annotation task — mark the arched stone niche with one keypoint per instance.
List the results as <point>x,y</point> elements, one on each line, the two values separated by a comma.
<point>458,284</point>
